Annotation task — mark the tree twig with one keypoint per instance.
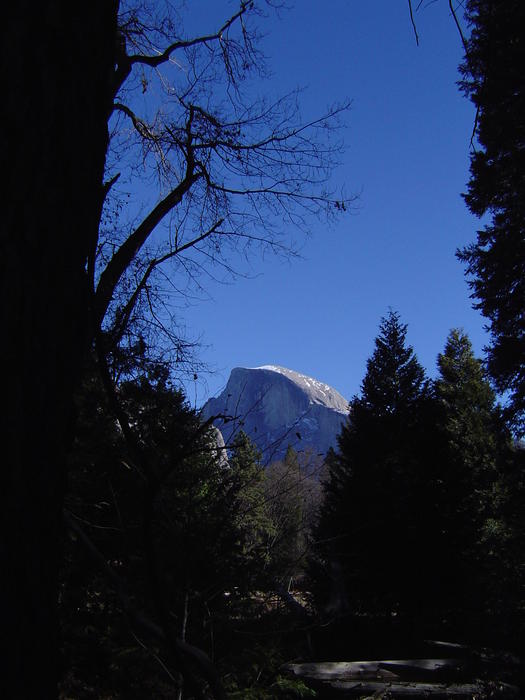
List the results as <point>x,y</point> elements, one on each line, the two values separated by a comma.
<point>413,21</point>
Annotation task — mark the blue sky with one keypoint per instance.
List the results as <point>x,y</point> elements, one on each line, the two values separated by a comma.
<point>407,147</point>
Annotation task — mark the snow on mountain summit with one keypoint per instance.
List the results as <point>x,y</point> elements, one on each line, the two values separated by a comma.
<point>278,407</point>
<point>317,392</point>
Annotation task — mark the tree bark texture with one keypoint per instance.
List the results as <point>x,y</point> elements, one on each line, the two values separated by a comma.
<point>57,60</point>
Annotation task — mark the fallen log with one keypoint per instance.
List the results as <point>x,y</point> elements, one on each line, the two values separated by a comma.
<point>436,678</point>
<point>383,669</point>
<point>434,670</point>
<point>339,670</point>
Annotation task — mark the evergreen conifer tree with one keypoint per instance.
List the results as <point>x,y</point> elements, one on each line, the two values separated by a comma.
<point>494,81</point>
<point>470,418</point>
<point>369,531</point>
<point>473,451</point>
<point>250,511</point>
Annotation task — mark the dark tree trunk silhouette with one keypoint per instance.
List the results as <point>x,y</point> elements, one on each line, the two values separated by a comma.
<point>57,63</point>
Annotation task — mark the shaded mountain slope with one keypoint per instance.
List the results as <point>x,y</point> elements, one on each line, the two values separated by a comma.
<point>278,407</point>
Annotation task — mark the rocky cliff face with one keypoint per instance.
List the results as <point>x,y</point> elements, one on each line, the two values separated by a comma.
<point>278,407</point>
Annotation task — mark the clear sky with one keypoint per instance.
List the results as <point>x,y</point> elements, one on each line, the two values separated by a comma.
<point>407,154</point>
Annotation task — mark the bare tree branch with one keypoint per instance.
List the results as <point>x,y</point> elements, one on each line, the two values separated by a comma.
<point>458,26</point>
<point>127,62</point>
<point>124,314</point>
<point>132,245</point>
<point>466,49</point>
<point>141,127</point>
<point>413,21</point>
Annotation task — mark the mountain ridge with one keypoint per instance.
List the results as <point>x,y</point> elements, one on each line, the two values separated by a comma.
<point>277,407</point>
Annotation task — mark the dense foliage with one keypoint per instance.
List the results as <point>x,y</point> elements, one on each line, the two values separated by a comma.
<point>179,535</point>
<point>421,518</point>
<point>493,78</point>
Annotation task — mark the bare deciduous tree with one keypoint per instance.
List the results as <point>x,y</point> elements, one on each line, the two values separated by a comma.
<point>211,167</point>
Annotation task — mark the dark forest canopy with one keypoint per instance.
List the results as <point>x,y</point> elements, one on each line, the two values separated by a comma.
<point>493,79</point>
